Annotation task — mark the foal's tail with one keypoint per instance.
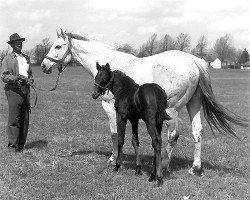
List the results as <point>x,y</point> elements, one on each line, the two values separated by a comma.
<point>215,114</point>
<point>166,116</point>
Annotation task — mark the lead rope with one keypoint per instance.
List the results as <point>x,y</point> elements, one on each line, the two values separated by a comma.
<point>35,88</point>
<point>60,70</point>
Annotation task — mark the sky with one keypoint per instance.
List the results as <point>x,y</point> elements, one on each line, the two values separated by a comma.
<point>117,22</point>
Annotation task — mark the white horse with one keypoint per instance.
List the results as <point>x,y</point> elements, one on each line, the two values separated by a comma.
<point>184,77</point>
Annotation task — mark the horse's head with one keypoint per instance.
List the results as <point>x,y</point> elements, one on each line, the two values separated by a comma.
<point>59,54</point>
<point>103,80</point>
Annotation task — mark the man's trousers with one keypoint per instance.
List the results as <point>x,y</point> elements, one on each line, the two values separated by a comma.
<point>18,97</point>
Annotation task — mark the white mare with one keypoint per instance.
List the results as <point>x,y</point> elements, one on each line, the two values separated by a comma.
<point>183,76</point>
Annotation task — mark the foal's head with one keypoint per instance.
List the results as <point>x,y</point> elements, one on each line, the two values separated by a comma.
<point>103,80</point>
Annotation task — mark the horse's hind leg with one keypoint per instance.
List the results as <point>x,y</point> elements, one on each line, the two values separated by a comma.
<point>194,107</point>
<point>109,108</point>
<point>173,135</point>
<point>135,143</point>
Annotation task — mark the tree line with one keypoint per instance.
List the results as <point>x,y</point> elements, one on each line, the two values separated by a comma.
<point>222,49</point>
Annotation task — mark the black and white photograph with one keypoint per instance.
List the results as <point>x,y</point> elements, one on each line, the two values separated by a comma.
<point>124,100</point>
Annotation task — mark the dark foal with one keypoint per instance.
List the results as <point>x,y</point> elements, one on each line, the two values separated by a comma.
<point>133,102</point>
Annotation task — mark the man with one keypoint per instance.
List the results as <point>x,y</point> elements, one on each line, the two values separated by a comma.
<point>17,76</point>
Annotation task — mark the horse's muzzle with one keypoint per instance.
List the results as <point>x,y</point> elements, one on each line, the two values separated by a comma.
<point>45,70</point>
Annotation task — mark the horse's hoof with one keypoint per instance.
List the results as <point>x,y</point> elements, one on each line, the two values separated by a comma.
<point>138,170</point>
<point>196,171</point>
<point>166,173</point>
<point>159,181</point>
<point>116,168</point>
<point>152,178</point>
<point>112,161</point>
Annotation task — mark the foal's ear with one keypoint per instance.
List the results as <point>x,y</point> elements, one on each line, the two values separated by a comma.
<point>98,67</point>
<point>107,66</point>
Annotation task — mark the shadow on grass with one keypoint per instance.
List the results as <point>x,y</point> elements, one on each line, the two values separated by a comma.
<point>38,144</point>
<point>176,164</point>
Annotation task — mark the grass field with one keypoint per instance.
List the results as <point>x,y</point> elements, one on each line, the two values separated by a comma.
<point>69,143</point>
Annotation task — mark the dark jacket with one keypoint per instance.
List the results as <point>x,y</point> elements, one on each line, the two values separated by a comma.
<point>10,68</point>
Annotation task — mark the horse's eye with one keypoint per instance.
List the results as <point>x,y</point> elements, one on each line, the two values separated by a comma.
<point>57,47</point>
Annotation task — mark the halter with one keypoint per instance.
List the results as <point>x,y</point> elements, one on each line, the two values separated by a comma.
<point>106,87</point>
<point>60,62</point>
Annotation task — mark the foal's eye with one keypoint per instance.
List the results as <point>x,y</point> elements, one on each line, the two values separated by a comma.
<point>57,47</point>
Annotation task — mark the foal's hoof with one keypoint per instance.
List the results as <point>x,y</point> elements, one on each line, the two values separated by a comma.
<point>138,170</point>
<point>159,181</point>
<point>152,178</point>
<point>196,171</point>
<point>116,168</point>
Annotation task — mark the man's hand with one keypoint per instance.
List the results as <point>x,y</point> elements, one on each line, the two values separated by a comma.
<point>26,81</point>
<point>16,79</point>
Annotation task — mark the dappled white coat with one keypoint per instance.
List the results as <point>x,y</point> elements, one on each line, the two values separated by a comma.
<point>175,71</point>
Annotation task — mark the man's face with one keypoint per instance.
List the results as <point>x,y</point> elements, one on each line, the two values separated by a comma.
<point>17,46</point>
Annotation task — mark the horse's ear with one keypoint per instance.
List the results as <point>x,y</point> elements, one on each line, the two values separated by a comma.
<point>107,66</point>
<point>98,67</point>
<point>63,35</point>
<point>58,34</point>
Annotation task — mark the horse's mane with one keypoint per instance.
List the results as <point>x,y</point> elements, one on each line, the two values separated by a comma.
<point>83,38</point>
<point>127,83</point>
<point>77,37</point>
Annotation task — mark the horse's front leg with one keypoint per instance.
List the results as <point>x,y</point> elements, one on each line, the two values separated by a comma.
<point>109,108</point>
<point>121,127</point>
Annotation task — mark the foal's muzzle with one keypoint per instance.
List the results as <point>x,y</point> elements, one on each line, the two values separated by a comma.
<point>95,95</point>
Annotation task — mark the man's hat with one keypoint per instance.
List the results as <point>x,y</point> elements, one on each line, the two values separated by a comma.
<point>14,37</point>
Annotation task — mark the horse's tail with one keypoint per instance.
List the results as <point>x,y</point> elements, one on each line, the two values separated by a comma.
<point>215,114</point>
<point>162,116</point>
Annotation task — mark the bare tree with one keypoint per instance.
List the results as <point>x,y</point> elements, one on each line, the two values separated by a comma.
<point>151,44</point>
<point>126,48</point>
<point>3,54</point>
<point>201,47</point>
<point>243,56</point>
<point>41,50</point>
<point>148,48</point>
<point>223,48</point>
<point>183,42</point>
<point>46,44</point>
<point>211,56</point>
<point>166,43</point>
<point>142,51</point>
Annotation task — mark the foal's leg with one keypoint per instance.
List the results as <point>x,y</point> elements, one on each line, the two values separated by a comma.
<point>121,127</point>
<point>135,143</point>
<point>194,107</point>
<point>109,108</point>
<point>173,135</point>
<point>159,166</point>
<point>156,144</point>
